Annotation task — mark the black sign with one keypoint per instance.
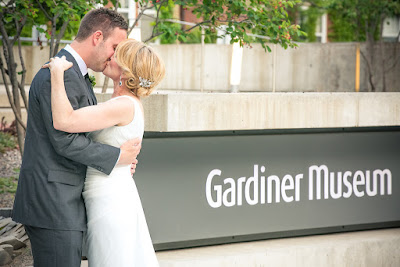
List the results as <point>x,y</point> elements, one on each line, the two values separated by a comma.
<point>201,188</point>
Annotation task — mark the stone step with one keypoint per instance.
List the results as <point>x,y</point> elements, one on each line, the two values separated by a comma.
<point>363,248</point>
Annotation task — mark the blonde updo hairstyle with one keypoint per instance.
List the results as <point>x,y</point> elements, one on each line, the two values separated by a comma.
<point>139,60</point>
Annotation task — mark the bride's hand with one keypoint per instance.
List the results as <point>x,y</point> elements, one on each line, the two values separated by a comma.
<point>58,64</point>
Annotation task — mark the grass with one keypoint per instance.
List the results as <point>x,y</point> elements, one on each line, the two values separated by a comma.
<point>7,141</point>
<point>8,185</point>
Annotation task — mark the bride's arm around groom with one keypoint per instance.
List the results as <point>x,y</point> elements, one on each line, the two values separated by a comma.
<point>48,200</point>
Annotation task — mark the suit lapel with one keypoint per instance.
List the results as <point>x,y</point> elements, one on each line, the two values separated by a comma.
<point>91,96</point>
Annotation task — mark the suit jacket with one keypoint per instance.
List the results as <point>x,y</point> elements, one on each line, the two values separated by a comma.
<point>49,192</point>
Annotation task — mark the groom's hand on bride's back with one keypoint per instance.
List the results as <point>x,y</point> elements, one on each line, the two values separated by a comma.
<point>129,151</point>
<point>133,166</point>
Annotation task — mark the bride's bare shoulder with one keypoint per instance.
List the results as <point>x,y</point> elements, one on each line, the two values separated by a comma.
<point>125,104</point>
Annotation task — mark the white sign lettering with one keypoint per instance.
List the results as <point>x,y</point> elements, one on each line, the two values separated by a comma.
<point>262,189</point>
<point>253,190</point>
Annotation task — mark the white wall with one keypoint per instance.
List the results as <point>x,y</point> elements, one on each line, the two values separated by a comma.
<point>309,68</point>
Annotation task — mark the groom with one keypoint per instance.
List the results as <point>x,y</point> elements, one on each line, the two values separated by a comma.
<point>48,200</point>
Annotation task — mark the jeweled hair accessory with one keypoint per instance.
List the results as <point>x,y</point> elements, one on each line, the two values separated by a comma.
<point>144,82</point>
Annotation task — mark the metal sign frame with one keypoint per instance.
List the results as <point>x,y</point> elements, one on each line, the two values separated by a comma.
<point>217,187</point>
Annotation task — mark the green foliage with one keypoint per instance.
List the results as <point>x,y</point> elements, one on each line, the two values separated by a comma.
<point>194,37</point>
<point>343,30</point>
<point>7,141</point>
<point>8,184</point>
<point>170,29</point>
<point>71,31</point>
<point>241,18</point>
<point>52,13</point>
<point>309,14</point>
<point>62,11</point>
<point>20,12</point>
<point>355,20</point>
<point>351,20</point>
<point>174,32</point>
<point>312,14</point>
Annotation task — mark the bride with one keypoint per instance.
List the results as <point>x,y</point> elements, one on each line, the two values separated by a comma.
<point>117,232</point>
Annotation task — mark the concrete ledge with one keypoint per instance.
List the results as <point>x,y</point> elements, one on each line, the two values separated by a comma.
<point>364,248</point>
<point>194,111</point>
<point>244,111</point>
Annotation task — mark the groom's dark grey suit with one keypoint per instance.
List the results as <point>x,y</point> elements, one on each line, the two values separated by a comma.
<point>49,193</point>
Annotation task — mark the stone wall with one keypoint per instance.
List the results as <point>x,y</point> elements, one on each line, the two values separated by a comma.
<point>186,111</point>
<point>312,67</point>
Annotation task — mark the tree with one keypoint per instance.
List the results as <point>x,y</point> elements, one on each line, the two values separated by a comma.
<point>60,15</point>
<point>261,21</point>
<point>308,13</point>
<point>14,16</point>
<point>362,21</point>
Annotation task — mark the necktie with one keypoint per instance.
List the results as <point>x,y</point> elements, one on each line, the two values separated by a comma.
<point>91,93</point>
<point>89,84</point>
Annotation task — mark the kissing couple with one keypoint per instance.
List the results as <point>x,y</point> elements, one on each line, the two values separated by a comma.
<point>75,184</point>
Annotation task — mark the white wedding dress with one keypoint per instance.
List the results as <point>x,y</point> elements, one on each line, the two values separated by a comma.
<point>117,230</point>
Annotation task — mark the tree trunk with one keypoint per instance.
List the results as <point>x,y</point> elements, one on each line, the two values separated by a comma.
<point>21,138</point>
<point>15,91</point>
<point>382,64</point>
<point>17,104</point>
<point>105,85</point>
<point>21,85</point>
<point>370,60</point>
<point>11,72</point>
<point>59,36</point>
<point>382,55</point>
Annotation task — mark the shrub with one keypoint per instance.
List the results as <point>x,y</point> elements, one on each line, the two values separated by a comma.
<point>7,141</point>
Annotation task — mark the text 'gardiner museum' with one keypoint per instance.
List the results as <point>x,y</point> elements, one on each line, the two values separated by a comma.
<point>262,189</point>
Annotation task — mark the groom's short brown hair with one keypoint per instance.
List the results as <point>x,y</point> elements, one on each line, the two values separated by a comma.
<point>101,19</point>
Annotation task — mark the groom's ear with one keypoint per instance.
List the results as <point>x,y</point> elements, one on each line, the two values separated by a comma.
<point>97,37</point>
